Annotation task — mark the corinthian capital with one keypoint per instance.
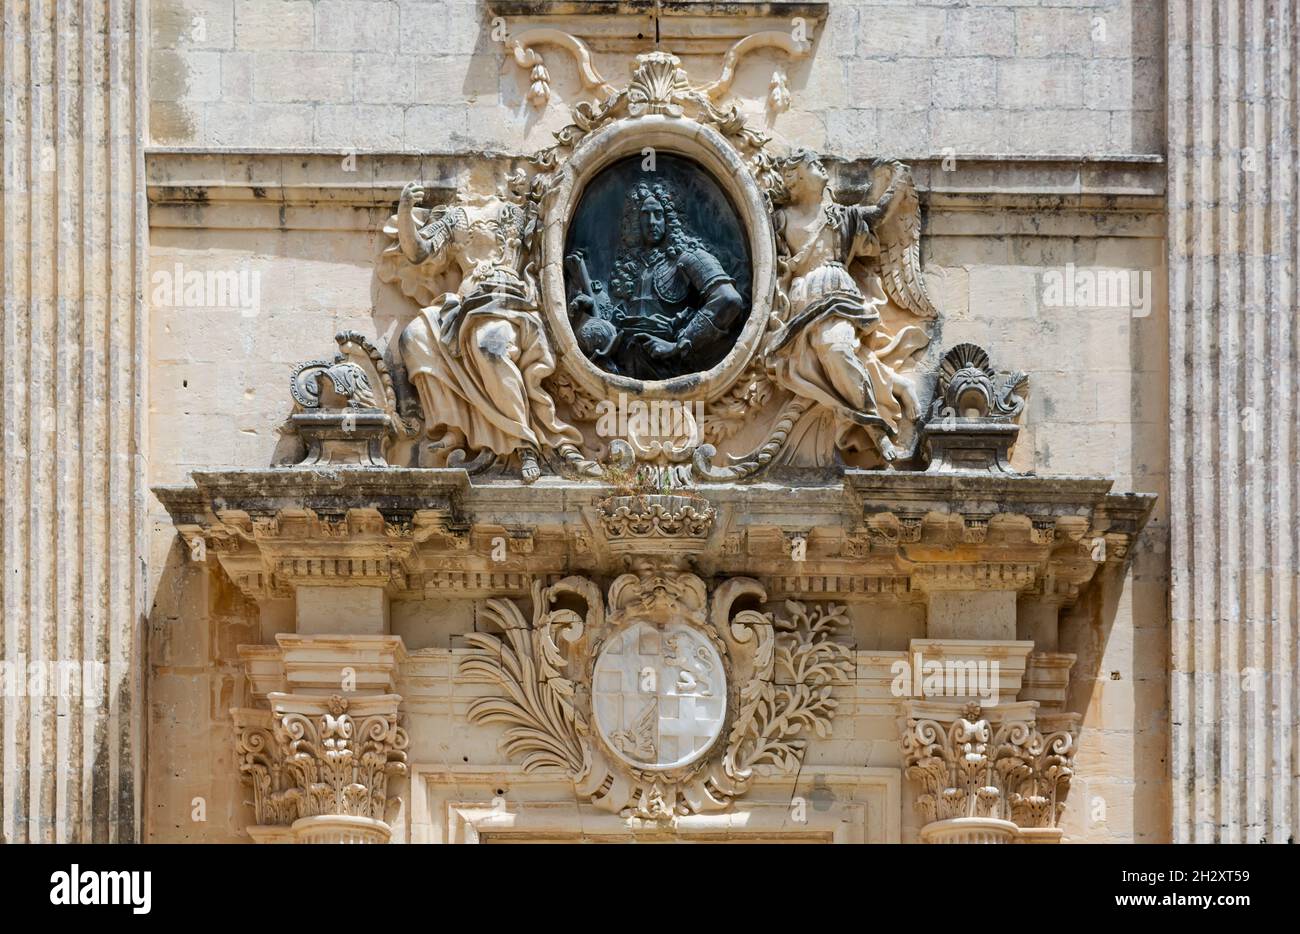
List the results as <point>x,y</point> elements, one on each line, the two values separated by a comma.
<point>320,766</point>
<point>988,775</point>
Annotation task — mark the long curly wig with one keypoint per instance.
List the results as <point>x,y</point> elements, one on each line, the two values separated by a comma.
<point>632,256</point>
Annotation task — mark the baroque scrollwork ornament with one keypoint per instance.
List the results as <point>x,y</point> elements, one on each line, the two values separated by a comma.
<point>794,337</point>
<point>661,699</point>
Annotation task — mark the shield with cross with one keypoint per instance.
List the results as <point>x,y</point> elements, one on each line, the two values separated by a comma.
<point>659,695</point>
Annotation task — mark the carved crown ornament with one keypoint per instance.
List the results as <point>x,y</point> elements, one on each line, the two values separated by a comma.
<point>660,699</point>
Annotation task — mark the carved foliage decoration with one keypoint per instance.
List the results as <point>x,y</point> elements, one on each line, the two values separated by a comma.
<point>793,696</point>
<point>318,756</point>
<point>545,729</point>
<point>624,695</point>
<point>972,767</point>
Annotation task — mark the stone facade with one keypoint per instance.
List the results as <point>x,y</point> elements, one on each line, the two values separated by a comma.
<point>997,598</point>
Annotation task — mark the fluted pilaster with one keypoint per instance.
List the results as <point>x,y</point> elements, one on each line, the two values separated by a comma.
<point>73,492</point>
<point>1232,304</point>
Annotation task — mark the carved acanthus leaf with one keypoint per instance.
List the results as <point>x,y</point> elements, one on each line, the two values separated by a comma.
<point>972,766</point>
<point>543,726</point>
<point>313,756</point>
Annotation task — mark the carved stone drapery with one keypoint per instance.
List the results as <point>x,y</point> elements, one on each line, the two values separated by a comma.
<point>321,765</point>
<point>988,776</point>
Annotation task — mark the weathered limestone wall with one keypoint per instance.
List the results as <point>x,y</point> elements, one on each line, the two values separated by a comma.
<point>1096,406</point>
<point>73,446</point>
<point>910,79</point>
<point>1233,478</point>
<point>1002,79</point>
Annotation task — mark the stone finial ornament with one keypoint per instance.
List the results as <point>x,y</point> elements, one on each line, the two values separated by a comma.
<point>971,423</point>
<point>346,408</point>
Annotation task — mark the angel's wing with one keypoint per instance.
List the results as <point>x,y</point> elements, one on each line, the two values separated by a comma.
<point>899,233</point>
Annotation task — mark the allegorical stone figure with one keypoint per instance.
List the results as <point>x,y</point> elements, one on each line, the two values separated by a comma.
<point>476,355</point>
<point>831,348</point>
<point>670,304</point>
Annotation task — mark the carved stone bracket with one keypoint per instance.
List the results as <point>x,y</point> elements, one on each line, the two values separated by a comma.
<point>578,30</point>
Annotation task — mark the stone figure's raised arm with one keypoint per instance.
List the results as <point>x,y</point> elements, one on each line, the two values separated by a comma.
<point>420,241</point>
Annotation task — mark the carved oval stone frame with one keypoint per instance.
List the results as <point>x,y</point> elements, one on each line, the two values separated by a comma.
<point>710,149</point>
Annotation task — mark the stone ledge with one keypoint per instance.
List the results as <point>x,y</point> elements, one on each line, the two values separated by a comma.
<point>315,190</point>
<point>327,490</point>
<point>431,531</point>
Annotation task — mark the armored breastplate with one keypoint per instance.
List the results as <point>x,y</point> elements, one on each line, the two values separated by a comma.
<point>644,300</point>
<point>669,283</point>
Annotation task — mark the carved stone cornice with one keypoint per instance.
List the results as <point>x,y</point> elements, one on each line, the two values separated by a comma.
<point>435,531</point>
<point>273,529</point>
<point>988,775</point>
<point>321,765</point>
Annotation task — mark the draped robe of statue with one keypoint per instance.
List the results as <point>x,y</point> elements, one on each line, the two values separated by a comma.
<point>831,348</point>
<point>478,365</point>
<point>478,357</point>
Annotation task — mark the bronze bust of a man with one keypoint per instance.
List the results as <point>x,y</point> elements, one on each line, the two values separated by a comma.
<point>670,307</point>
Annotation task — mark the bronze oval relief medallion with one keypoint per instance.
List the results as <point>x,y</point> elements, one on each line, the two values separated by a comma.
<point>657,269</point>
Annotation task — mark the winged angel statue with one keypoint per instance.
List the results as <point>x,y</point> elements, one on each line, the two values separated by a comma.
<point>831,348</point>
<point>477,352</point>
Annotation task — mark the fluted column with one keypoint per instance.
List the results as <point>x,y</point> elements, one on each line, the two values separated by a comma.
<point>1232,305</point>
<point>73,486</point>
